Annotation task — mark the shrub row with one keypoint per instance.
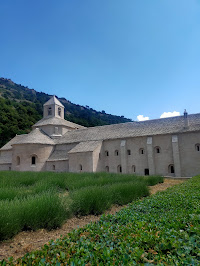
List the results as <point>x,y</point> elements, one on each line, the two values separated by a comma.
<point>162,229</point>
<point>29,202</point>
<point>46,210</point>
<point>33,183</point>
<point>97,199</point>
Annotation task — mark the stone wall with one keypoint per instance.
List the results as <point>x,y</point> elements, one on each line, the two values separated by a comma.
<point>58,166</point>
<point>81,162</point>
<point>25,152</point>
<point>189,155</point>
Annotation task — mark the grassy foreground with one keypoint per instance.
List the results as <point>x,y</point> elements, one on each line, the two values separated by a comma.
<point>163,229</point>
<point>30,201</point>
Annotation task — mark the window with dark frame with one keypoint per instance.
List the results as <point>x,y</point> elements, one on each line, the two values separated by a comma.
<point>129,152</point>
<point>146,171</point>
<point>197,147</point>
<point>141,151</point>
<point>157,149</point>
<point>33,160</point>
<point>49,111</point>
<point>18,160</point>
<point>119,169</point>
<point>59,111</point>
<point>116,152</point>
<point>171,169</point>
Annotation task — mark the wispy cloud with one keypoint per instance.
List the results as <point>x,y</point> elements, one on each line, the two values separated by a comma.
<point>142,118</point>
<point>169,114</point>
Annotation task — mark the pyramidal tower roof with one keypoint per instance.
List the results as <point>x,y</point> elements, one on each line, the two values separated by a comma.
<point>53,100</point>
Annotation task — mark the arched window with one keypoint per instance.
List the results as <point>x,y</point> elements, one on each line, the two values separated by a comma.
<point>197,147</point>
<point>54,167</point>
<point>171,169</point>
<point>107,168</point>
<point>133,168</point>
<point>18,160</point>
<point>141,151</point>
<point>157,149</point>
<point>59,111</point>
<point>49,111</point>
<point>33,160</point>
<point>129,152</point>
<point>119,169</point>
<point>80,167</point>
<point>116,152</point>
<point>106,153</point>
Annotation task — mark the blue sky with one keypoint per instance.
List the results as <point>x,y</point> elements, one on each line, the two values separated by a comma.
<point>131,57</point>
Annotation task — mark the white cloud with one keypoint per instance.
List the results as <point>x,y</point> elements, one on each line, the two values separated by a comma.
<point>169,114</point>
<point>142,118</point>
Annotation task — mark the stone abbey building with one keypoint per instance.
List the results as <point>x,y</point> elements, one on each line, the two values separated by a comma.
<point>168,146</point>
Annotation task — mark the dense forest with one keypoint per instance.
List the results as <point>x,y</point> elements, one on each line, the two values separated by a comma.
<point>21,107</point>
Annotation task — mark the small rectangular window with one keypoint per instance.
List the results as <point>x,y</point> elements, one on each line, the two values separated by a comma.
<point>33,160</point>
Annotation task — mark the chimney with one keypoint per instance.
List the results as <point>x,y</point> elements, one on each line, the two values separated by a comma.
<point>186,123</point>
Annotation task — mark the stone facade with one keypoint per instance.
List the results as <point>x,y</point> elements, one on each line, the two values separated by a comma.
<point>168,146</point>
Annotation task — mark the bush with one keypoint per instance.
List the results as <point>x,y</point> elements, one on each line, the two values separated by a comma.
<point>43,211</point>
<point>10,219</point>
<point>153,180</point>
<point>90,200</point>
<point>46,210</point>
<point>124,193</point>
<point>97,199</point>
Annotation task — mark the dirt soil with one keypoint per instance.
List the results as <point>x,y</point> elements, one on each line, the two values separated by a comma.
<point>27,241</point>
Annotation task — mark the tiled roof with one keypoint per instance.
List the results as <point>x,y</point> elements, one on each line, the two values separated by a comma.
<point>85,146</point>
<point>36,136</point>
<point>8,146</point>
<point>172,125</point>
<point>53,100</point>
<point>58,156</point>
<point>57,122</point>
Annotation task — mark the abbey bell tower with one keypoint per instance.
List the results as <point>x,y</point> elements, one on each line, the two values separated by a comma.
<point>53,108</point>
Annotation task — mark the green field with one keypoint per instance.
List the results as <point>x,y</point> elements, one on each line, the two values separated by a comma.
<point>30,201</point>
<point>163,229</point>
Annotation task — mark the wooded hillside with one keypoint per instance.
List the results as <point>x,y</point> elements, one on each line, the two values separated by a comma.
<point>21,107</point>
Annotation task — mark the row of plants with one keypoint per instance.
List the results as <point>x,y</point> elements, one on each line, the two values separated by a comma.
<point>163,229</point>
<point>29,201</point>
<point>67,181</point>
<point>45,210</point>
